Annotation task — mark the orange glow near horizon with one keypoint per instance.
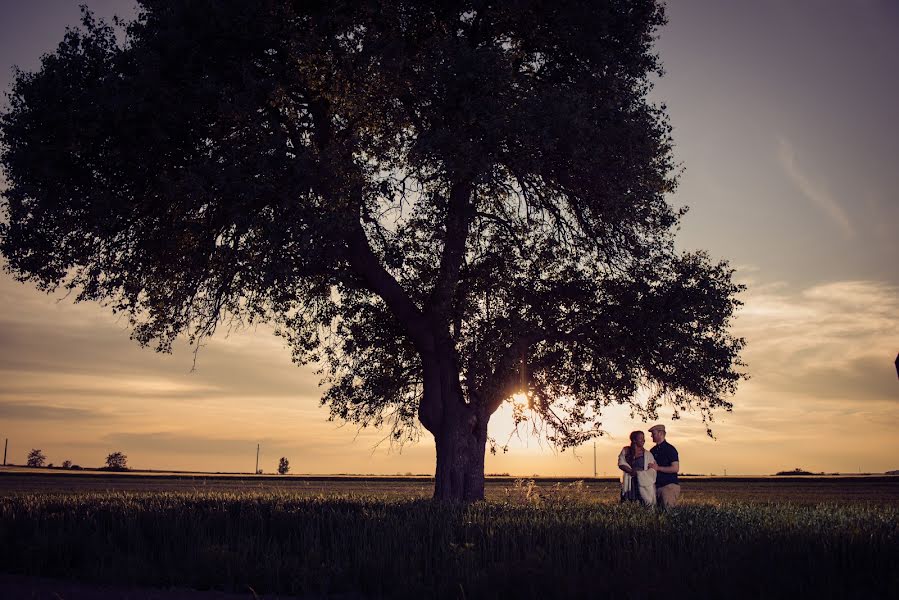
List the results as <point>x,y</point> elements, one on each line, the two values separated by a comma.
<point>74,385</point>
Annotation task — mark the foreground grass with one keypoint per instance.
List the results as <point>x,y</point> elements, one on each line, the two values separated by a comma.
<point>523,546</point>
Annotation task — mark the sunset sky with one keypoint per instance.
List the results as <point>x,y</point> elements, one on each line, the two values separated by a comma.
<point>785,116</point>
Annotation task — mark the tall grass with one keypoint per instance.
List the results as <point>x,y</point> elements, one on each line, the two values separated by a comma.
<point>527,545</point>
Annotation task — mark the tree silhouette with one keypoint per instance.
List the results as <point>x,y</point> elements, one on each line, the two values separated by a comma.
<point>117,462</point>
<point>36,458</point>
<point>442,203</point>
<point>283,466</point>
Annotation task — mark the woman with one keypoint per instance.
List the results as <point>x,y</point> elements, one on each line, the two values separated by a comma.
<point>638,483</point>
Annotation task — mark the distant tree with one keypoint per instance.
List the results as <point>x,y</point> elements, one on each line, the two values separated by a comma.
<point>796,471</point>
<point>283,466</point>
<point>117,462</point>
<point>66,464</point>
<point>36,458</point>
<point>50,465</point>
<point>448,203</point>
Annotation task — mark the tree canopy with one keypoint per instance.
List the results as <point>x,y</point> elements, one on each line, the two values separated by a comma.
<point>116,461</point>
<point>36,458</point>
<point>442,203</point>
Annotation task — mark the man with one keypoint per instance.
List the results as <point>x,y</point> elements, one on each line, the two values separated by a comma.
<point>667,465</point>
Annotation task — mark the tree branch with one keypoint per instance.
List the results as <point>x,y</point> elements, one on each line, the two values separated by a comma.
<point>367,265</point>
<point>458,220</point>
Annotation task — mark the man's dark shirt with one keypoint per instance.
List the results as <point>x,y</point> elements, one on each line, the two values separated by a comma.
<point>665,454</point>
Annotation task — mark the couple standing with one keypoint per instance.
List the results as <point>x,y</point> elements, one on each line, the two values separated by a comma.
<point>650,476</point>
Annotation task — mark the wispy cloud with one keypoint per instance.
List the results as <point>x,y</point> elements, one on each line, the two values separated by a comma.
<point>837,338</point>
<point>815,191</point>
<point>44,412</point>
<point>184,442</point>
<point>78,384</point>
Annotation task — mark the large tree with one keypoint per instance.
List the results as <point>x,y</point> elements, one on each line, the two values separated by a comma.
<point>443,203</point>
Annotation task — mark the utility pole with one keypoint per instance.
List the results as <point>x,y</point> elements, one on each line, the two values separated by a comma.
<point>594,460</point>
<point>5,445</point>
<point>256,472</point>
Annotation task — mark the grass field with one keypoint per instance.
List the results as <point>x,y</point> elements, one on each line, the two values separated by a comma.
<point>805,490</point>
<point>364,537</point>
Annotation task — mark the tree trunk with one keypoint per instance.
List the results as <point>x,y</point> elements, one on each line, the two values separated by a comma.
<point>461,443</point>
<point>460,433</point>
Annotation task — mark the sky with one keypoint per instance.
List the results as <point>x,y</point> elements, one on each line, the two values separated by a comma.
<point>785,122</point>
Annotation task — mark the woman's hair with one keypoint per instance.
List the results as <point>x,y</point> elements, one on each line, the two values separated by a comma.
<point>632,449</point>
